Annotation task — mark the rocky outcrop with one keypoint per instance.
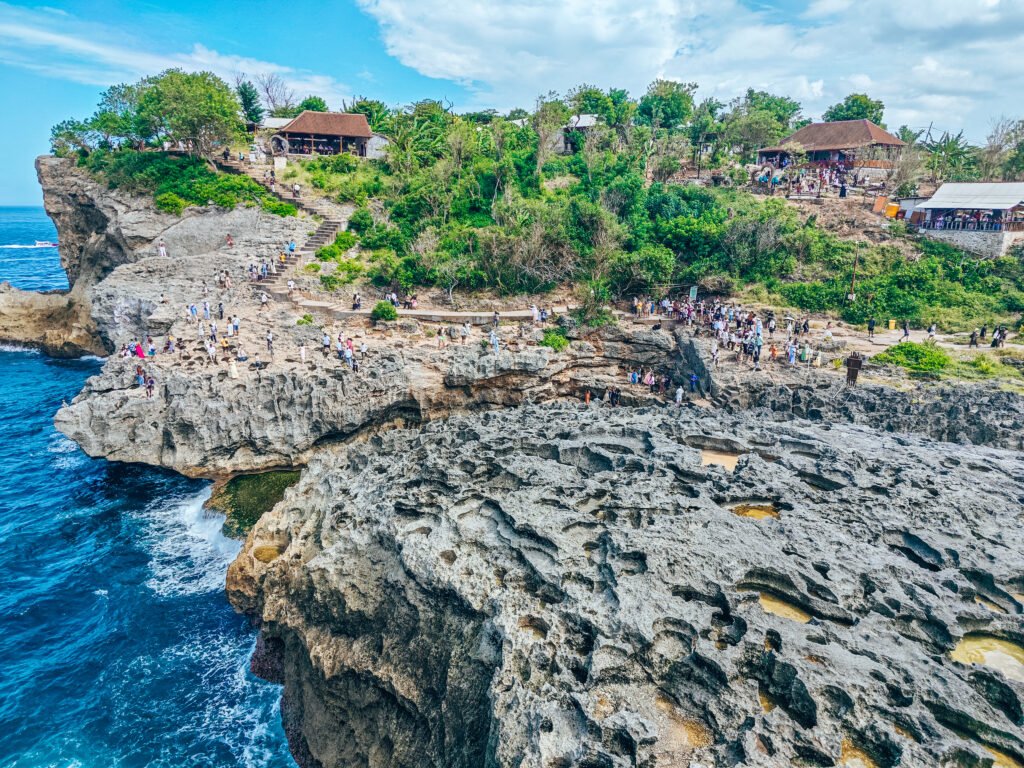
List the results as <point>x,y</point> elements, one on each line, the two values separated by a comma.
<point>978,415</point>
<point>120,288</point>
<point>561,586</point>
<point>56,323</point>
<point>204,423</point>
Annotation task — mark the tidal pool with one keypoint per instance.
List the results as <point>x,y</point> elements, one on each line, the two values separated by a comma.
<point>1003,655</point>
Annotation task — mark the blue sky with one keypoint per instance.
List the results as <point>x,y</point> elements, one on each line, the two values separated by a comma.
<point>951,63</point>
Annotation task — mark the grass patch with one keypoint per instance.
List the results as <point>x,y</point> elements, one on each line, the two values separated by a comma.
<point>244,499</point>
<point>984,366</point>
<point>306,319</point>
<point>919,358</point>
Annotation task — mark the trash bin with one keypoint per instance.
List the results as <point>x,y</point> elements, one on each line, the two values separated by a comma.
<point>892,325</point>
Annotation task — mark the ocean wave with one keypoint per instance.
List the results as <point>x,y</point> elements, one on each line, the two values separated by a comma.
<point>19,348</point>
<point>189,552</point>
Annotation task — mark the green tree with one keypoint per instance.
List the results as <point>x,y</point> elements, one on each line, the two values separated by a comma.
<point>703,128</point>
<point>785,110</point>
<point>312,104</point>
<point>70,136</point>
<point>195,108</point>
<point>667,104</point>
<point>249,98</point>
<point>589,100</point>
<point>378,114</point>
<point>856,106</point>
<point>116,114</point>
<point>951,158</point>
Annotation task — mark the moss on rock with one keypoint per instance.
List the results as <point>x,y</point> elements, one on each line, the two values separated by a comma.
<point>243,499</point>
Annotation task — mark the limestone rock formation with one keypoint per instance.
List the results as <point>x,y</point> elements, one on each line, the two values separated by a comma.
<point>56,323</point>
<point>119,287</point>
<point>559,586</point>
<point>204,423</point>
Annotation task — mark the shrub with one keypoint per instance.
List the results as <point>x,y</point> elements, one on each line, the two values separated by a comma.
<point>306,319</point>
<point>921,358</point>
<point>343,243</point>
<point>383,311</point>
<point>361,221</point>
<point>177,182</point>
<point>330,282</point>
<point>348,270</point>
<point>554,338</point>
<point>168,202</point>
<point>314,268</point>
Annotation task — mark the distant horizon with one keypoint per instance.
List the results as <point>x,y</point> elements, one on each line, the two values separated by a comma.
<point>956,68</point>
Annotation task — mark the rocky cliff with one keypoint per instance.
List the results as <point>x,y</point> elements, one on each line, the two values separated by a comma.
<point>108,247</point>
<point>563,586</point>
<point>204,423</point>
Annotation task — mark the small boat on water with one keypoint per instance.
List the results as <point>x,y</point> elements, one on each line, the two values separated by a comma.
<point>45,244</point>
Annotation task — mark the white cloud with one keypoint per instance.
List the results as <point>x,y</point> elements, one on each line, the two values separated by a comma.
<point>916,56</point>
<point>54,44</point>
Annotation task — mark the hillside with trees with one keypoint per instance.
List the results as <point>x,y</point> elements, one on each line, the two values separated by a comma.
<point>482,201</point>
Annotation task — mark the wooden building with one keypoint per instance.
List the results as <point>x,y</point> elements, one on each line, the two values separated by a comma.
<point>323,133</point>
<point>848,144</point>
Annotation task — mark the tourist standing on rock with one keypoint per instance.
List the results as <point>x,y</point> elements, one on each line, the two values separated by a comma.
<point>229,241</point>
<point>931,331</point>
<point>495,320</point>
<point>270,344</point>
<point>150,383</point>
<point>495,342</point>
<point>974,339</point>
<point>906,331</point>
<point>263,300</point>
<point>220,310</point>
<point>232,369</point>
<point>679,395</point>
<point>325,341</point>
<point>465,331</point>
<point>871,327</point>
<point>161,249</point>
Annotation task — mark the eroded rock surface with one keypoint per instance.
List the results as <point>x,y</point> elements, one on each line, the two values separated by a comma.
<point>204,423</point>
<point>560,586</point>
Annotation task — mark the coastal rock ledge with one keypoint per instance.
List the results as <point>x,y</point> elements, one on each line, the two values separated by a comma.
<point>559,586</point>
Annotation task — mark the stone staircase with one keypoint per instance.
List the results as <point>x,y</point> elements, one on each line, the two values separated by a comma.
<point>330,225</point>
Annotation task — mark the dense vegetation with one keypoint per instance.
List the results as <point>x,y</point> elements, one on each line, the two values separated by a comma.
<point>524,202</point>
<point>178,181</point>
<point>477,202</point>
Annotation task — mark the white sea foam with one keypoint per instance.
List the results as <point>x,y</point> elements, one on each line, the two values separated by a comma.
<point>188,550</point>
<point>17,245</point>
<point>239,710</point>
<point>18,348</point>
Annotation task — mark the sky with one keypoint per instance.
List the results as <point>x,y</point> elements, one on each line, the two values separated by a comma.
<point>951,64</point>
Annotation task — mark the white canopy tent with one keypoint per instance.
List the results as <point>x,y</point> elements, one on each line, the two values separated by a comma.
<point>989,196</point>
